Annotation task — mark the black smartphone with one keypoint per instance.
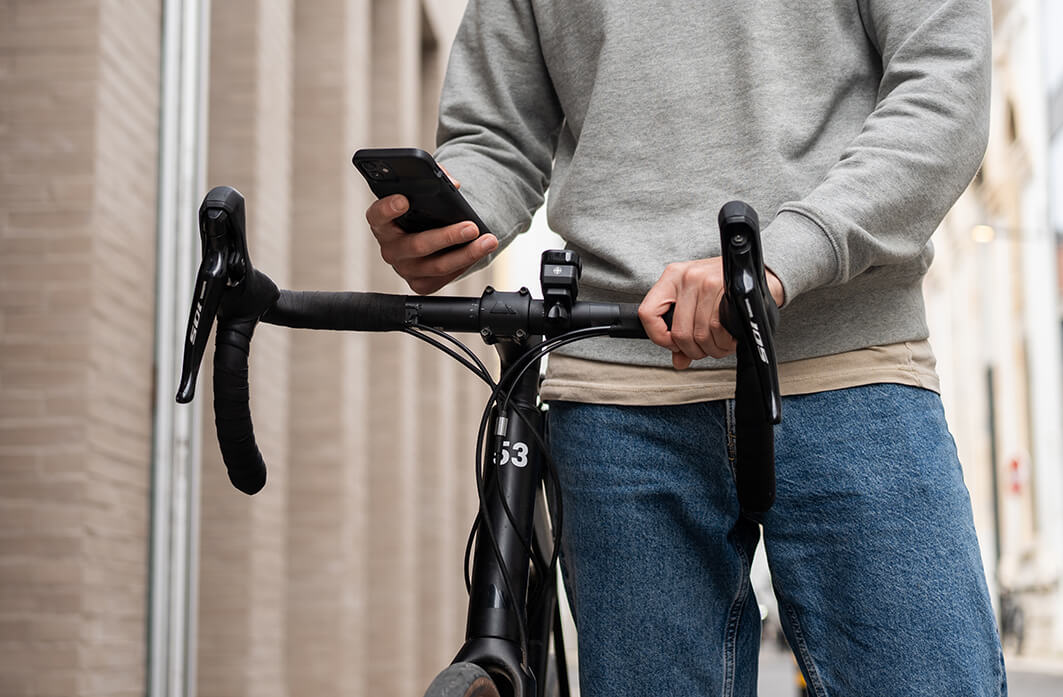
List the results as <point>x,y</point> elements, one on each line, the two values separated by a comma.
<point>434,200</point>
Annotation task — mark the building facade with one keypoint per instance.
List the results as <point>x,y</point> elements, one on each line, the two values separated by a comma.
<point>345,574</point>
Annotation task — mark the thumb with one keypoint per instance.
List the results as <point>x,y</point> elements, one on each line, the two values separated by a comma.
<point>680,361</point>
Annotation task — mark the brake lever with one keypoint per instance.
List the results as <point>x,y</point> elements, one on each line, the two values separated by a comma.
<point>749,312</point>
<point>225,264</point>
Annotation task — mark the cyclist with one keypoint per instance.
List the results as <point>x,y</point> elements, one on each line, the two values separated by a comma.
<point>852,126</point>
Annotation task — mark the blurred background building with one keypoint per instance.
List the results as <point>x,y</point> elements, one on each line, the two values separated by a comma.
<point>130,566</point>
<point>993,304</point>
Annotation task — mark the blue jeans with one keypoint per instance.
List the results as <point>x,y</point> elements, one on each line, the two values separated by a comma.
<point>871,545</point>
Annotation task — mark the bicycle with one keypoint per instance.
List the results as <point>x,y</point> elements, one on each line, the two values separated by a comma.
<point>513,617</point>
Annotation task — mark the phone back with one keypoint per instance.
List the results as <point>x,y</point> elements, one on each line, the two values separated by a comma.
<point>434,201</point>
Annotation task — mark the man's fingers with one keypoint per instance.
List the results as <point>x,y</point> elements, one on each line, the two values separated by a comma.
<point>660,298</point>
<point>446,264</point>
<point>680,361</point>
<point>696,289</point>
<point>417,245</point>
<point>778,293</point>
<point>424,286</point>
<point>685,323</point>
<point>401,248</point>
<point>456,261</point>
<point>430,275</point>
<point>712,335</point>
<point>385,210</point>
<point>723,343</point>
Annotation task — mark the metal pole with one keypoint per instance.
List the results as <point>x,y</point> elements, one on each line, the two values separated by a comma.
<point>985,341</point>
<point>991,428</point>
<point>175,465</point>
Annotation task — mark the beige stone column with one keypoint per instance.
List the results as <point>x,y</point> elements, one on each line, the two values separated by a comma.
<point>78,134</point>
<point>394,419</point>
<point>242,632</point>
<point>327,510</point>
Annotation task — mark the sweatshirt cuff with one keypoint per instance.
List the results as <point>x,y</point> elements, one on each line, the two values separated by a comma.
<point>799,252</point>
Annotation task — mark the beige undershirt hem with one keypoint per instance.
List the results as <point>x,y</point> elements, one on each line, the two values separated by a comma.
<point>595,382</point>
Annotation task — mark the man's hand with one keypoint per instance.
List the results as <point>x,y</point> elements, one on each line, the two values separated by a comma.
<point>416,256</point>
<point>696,288</point>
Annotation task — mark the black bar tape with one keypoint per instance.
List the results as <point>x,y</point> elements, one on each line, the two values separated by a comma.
<point>755,464</point>
<point>232,413</point>
<point>754,438</point>
<point>339,311</point>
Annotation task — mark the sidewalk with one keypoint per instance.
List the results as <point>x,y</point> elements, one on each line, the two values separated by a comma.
<point>1043,666</point>
<point>1027,677</point>
<point>1033,684</point>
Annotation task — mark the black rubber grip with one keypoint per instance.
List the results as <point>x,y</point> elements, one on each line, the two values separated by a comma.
<point>622,318</point>
<point>628,323</point>
<point>338,311</point>
<point>232,413</point>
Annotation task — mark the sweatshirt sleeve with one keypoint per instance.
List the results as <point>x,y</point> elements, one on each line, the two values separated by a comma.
<point>499,117</point>
<point>916,152</point>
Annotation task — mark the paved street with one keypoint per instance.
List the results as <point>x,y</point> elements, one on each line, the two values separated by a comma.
<point>1031,679</point>
<point>1025,679</point>
<point>777,673</point>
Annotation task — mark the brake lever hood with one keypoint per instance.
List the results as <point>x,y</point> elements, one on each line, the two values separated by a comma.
<point>222,232</point>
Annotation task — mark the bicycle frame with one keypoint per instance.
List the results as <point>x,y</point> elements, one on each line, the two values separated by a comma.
<point>514,470</point>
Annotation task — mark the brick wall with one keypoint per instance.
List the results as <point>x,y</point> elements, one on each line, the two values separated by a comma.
<point>344,574</point>
<point>78,148</point>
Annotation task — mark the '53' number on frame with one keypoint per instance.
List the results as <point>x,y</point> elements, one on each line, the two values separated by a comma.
<point>515,453</point>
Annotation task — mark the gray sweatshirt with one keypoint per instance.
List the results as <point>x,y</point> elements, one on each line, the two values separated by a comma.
<point>851,126</point>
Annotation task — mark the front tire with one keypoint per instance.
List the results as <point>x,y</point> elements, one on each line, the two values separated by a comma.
<point>462,680</point>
